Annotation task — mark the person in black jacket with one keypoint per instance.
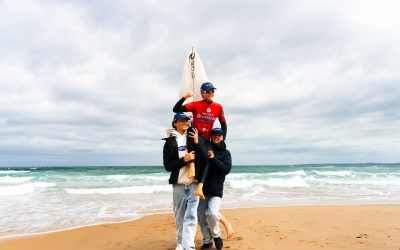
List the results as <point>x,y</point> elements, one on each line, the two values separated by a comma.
<point>176,159</point>
<point>220,164</point>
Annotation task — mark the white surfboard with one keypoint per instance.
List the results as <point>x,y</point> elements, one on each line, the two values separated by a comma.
<point>193,76</point>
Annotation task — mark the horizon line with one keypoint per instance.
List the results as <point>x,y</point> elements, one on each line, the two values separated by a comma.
<point>255,165</point>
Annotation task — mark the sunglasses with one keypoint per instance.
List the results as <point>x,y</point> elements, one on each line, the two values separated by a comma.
<point>209,91</point>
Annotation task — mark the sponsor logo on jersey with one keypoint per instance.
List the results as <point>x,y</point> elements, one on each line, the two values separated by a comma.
<point>205,116</point>
<point>182,148</point>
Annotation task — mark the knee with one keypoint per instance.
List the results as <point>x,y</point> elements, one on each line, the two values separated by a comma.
<point>213,215</point>
<point>190,218</point>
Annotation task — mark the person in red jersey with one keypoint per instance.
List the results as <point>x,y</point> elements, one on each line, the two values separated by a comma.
<point>205,112</point>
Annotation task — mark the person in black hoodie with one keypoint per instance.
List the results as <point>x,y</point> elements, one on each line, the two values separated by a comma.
<point>220,164</point>
<point>176,160</point>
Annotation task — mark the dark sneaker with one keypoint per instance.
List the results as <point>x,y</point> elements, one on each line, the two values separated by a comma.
<point>206,246</point>
<point>218,243</point>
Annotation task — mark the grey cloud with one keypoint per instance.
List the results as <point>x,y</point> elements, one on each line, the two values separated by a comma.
<point>94,83</point>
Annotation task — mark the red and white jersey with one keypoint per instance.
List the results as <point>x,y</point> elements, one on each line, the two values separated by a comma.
<point>204,116</point>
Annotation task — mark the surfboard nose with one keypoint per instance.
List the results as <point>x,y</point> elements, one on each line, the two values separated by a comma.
<point>193,54</point>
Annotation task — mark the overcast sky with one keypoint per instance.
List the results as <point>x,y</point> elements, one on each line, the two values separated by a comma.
<point>94,82</point>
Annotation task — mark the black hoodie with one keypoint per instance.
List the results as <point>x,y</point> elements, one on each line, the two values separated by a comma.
<point>173,163</point>
<point>219,167</point>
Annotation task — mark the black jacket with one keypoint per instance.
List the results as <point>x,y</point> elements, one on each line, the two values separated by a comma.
<point>173,163</point>
<point>219,167</point>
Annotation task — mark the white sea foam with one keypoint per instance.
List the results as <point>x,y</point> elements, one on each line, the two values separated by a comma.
<point>262,176</point>
<point>235,176</point>
<point>256,190</point>
<point>245,176</point>
<point>120,190</point>
<point>44,184</point>
<point>13,180</point>
<point>335,173</point>
<point>17,190</point>
<point>365,182</point>
<point>240,184</point>
<point>156,178</point>
<point>25,188</point>
<point>117,177</point>
<point>112,212</point>
<point>300,172</point>
<point>137,177</point>
<point>13,172</point>
<point>294,182</point>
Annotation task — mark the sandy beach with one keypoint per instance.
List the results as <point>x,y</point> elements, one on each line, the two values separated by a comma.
<point>307,227</point>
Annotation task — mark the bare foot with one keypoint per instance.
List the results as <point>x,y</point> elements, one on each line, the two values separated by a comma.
<point>199,191</point>
<point>227,225</point>
<point>229,230</point>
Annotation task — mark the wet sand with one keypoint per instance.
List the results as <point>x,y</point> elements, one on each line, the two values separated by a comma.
<point>307,227</point>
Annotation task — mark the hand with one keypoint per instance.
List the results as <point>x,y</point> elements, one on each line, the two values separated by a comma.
<point>194,135</point>
<point>189,156</point>
<point>210,154</point>
<point>188,94</point>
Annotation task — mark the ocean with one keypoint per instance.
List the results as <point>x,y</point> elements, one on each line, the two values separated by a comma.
<point>44,199</point>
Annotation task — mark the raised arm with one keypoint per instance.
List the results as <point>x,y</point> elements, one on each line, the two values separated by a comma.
<point>178,106</point>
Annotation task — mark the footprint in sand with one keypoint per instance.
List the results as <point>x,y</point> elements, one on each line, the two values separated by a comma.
<point>362,236</point>
<point>307,241</point>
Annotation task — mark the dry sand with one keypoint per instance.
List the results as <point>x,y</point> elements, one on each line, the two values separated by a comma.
<point>310,227</point>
